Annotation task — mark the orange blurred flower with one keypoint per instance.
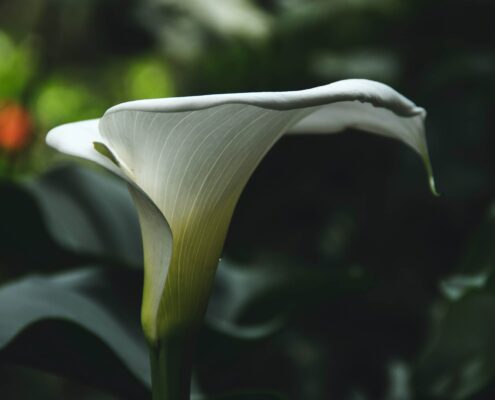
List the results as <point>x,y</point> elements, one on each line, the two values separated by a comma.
<point>15,127</point>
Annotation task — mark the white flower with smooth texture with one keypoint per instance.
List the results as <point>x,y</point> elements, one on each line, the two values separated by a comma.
<point>188,159</point>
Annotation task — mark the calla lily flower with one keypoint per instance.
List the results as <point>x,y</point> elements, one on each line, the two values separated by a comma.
<point>187,160</point>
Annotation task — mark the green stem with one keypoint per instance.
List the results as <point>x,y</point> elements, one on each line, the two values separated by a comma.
<point>171,366</point>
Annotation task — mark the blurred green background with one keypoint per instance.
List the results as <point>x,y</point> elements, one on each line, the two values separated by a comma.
<point>343,277</point>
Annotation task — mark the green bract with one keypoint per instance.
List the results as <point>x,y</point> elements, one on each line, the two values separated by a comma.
<point>188,159</point>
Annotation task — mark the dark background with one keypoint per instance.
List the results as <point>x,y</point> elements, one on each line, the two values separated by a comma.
<point>385,291</point>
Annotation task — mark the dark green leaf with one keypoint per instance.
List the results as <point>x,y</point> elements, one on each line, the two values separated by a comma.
<point>254,300</point>
<point>81,324</point>
<point>69,215</point>
<point>242,396</point>
<point>459,360</point>
<point>89,213</point>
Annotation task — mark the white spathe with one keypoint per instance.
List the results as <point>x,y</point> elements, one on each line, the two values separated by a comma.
<point>187,160</point>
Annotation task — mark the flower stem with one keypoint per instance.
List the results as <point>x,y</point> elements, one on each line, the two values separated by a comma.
<point>171,366</point>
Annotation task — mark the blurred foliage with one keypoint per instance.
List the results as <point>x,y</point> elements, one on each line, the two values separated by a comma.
<point>147,79</point>
<point>343,277</point>
<point>58,101</point>
<point>16,68</point>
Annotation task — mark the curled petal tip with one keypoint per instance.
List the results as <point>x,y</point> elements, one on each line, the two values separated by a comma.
<point>431,177</point>
<point>433,187</point>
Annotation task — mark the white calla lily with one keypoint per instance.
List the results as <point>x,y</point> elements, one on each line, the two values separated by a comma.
<point>188,159</point>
